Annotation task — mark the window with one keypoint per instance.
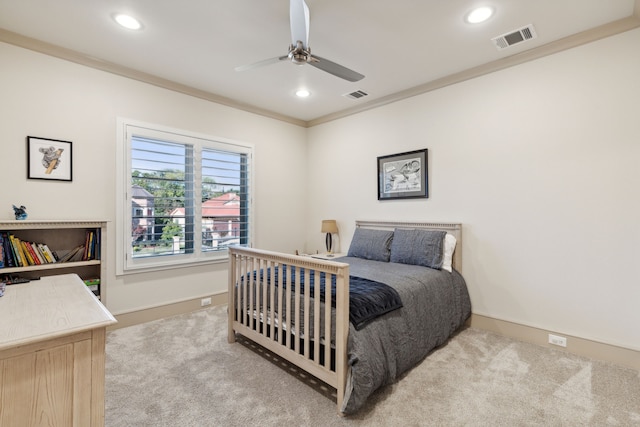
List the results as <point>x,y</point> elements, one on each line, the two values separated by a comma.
<point>184,197</point>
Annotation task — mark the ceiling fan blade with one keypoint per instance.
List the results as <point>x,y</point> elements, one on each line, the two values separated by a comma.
<point>299,52</point>
<point>299,17</point>
<point>335,69</point>
<point>261,63</point>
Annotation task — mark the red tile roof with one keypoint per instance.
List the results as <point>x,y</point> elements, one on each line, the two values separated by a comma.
<point>227,205</point>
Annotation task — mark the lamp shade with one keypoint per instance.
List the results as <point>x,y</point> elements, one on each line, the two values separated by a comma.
<point>329,226</point>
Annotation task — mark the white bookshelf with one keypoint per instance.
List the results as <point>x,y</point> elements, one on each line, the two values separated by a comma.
<point>60,236</point>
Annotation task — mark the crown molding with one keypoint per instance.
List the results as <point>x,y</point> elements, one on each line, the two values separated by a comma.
<point>110,67</point>
<point>569,42</point>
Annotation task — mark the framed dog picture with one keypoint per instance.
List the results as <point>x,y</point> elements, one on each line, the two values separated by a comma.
<point>49,159</point>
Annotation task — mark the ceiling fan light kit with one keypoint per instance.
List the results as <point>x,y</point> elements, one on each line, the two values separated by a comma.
<point>299,50</point>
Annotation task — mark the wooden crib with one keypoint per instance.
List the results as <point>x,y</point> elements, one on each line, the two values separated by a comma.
<point>260,281</point>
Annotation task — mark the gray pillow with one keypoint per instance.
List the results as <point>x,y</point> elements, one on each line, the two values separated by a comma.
<point>371,244</point>
<point>418,247</point>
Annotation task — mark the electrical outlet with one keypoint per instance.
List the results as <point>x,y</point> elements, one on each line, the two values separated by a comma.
<point>557,340</point>
<point>205,302</point>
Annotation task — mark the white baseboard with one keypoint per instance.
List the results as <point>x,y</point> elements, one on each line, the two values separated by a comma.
<point>583,347</point>
<point>174,309</point>
<point>576,345</point>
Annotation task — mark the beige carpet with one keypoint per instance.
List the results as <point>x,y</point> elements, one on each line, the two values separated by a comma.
<point>181,372</point>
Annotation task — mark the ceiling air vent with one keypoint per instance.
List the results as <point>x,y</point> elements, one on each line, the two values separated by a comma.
<point>356,95</point>
<point>518,36</point>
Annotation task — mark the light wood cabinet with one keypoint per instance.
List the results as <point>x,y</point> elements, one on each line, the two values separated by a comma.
<point>52,354</point>
<point>60,236</point>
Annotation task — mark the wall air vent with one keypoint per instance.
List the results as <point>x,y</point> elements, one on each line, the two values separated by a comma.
<point>515,37</point>
<point>356,95</point>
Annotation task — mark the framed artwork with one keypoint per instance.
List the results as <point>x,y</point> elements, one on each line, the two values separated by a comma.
<point>403,175</point>
<point>49,159</point>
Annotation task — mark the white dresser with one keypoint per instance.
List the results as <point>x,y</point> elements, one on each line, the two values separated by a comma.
<point>52,353</point>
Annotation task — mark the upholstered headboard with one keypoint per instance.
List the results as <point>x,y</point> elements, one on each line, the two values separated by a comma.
<point>454,229</point>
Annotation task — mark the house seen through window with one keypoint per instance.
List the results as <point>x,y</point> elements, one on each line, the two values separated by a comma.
<point>188,197</point>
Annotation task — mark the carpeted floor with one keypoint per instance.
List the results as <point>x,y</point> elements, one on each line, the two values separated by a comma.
<point>181,372</point>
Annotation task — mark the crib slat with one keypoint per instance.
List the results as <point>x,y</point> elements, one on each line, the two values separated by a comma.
<point>316,318</point>
<point>289,309</point>
<point>231,291</point>
<point>296,316</point>
<point>263,301</point>
<point>342,332</point>
<point>271,302</point>
<point>305,311</point>
<point>245,294</point>
<point>281,333</point>
<point>327,325</point>
<point>252,293</point>
<point>257,295</point>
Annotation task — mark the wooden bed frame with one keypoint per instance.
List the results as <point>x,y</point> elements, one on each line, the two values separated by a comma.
<point>298,344</point>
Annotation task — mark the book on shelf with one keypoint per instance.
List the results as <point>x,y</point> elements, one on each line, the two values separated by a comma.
<point>18,253</point>
<point>74,254</point>
<point>47,253</point>
<point>9,259</point>
<point>9,255</point>
<point>24,253</point>
<point>91,245</point>
<point>87,246</point>
<point>97,254</point>
<point>15,252</point>
<point>31,255</point>
<point>28,256</point>
<point>38,253</point>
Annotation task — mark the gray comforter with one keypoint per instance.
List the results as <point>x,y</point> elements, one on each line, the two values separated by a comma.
<point>435,304</point>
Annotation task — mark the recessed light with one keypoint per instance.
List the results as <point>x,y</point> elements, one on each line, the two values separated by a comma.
<point>127,21</point>
<point>303,93</point>
<point>478,15</point>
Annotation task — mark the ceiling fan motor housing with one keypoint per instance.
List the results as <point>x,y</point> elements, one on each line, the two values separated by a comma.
<point>298,55</point>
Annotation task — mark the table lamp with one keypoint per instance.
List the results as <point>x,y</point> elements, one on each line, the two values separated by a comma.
<point>329,226</point>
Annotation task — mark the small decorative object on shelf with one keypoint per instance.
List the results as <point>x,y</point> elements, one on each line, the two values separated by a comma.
<point>20,212</point>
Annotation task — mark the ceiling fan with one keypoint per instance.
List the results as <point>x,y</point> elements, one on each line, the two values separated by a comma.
<point>299,50</point>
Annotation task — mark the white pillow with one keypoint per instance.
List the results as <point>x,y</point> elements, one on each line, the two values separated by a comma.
<point>449,247</point>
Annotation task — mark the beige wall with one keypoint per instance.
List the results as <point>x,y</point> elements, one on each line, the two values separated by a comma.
<point>47,97</point>
<point>540,162</point>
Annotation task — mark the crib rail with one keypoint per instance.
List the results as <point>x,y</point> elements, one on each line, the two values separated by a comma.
<point>271,309</point>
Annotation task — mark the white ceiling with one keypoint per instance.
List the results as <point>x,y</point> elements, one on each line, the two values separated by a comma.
<point>400,46</point>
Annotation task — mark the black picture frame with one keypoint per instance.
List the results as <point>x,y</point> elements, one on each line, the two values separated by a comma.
<point>49,159</point>
<point>403,175</point>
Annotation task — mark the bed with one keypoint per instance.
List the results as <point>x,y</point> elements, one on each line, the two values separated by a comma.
<point>357,322</point>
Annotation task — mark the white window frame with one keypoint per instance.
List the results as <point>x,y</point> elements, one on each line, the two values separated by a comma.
<point>125,263</point>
